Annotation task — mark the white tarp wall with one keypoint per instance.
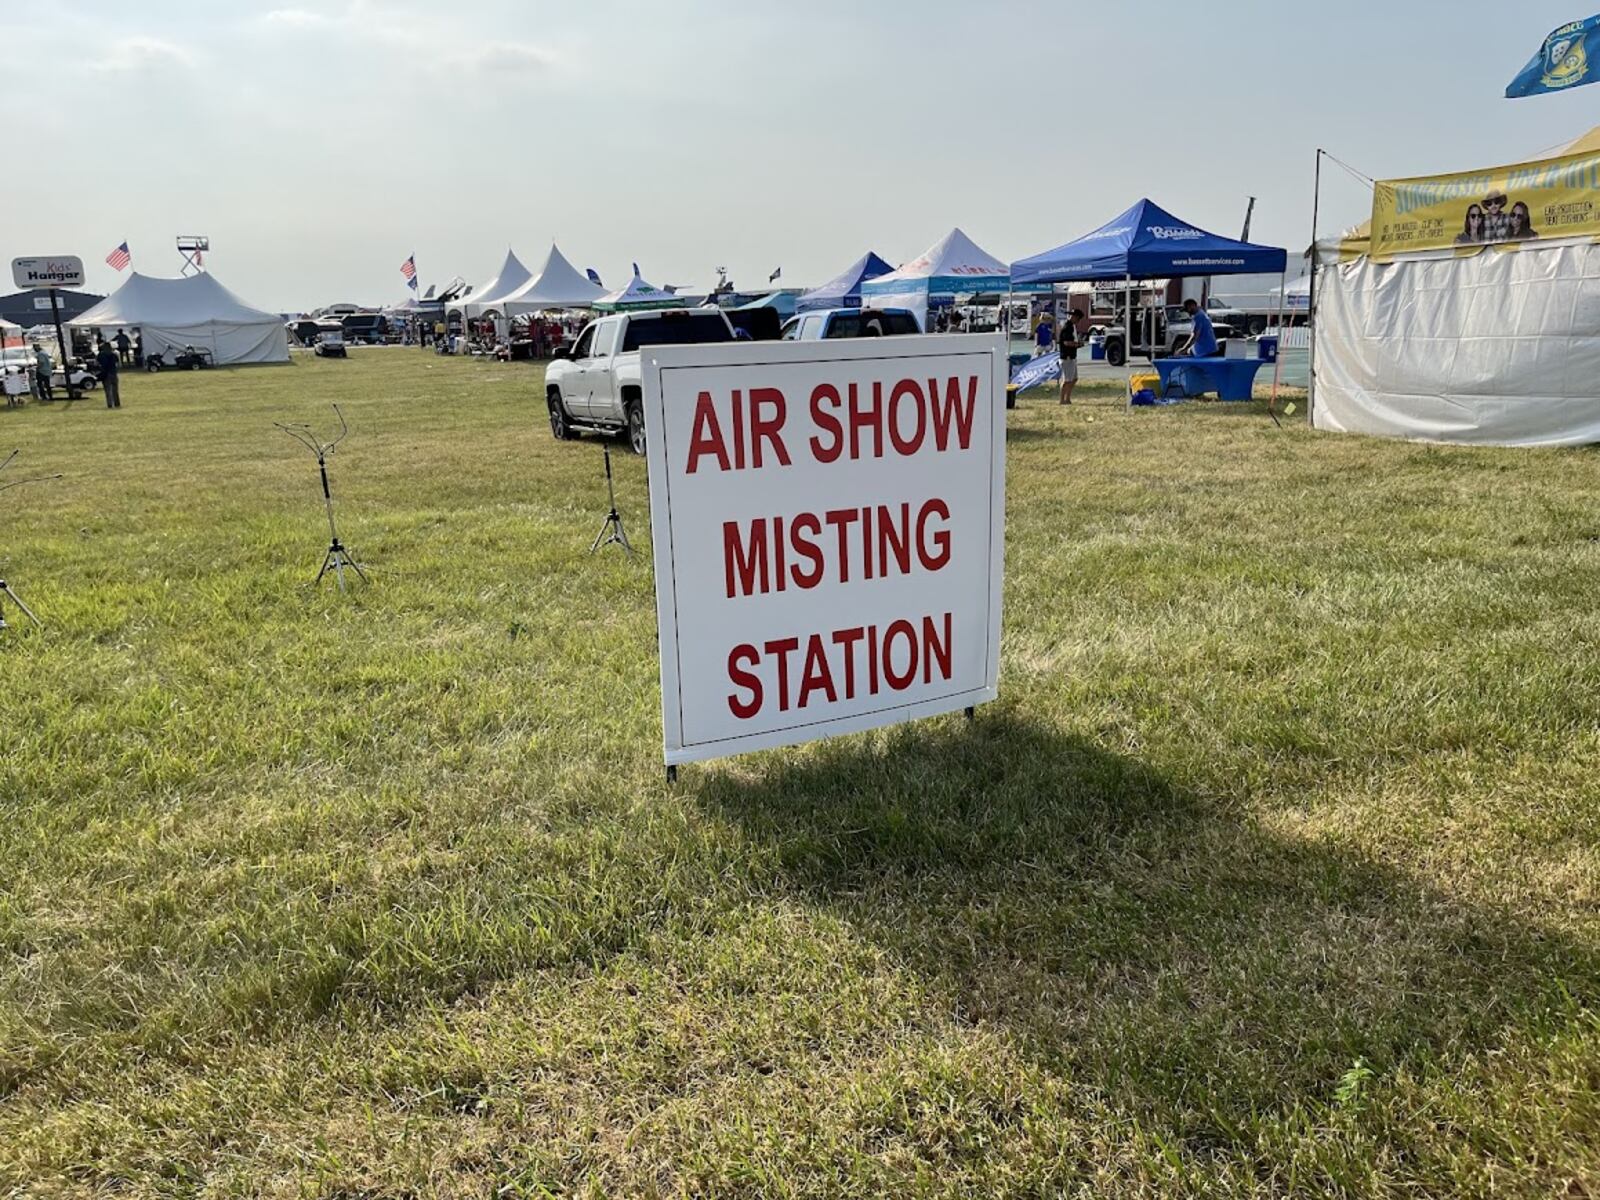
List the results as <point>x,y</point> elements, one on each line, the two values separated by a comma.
<point>191,311</point>
<point>1502,348</point>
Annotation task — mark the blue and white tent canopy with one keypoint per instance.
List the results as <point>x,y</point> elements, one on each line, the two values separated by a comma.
<point>1145,242</point>
<point>952,266</point>
<point>844,290</point>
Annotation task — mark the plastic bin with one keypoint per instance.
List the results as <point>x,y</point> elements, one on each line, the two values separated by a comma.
<point>1267,349</point>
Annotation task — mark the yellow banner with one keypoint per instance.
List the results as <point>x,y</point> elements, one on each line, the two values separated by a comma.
<point>1555,197</point>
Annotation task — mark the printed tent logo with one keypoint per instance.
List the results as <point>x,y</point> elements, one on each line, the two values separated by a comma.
<point>1566,62</point>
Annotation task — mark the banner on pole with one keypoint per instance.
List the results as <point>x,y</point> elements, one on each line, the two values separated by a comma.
<point>1553,197</point>
<point>828,522</point>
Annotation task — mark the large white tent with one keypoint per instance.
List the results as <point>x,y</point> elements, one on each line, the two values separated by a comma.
<point>489,298</point>
<point>557,285</point>
<point>1488,346</point>
<point>952,266</point>
<point>193,310</point>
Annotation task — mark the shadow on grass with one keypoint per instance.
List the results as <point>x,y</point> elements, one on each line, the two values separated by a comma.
<point>1194,969</point>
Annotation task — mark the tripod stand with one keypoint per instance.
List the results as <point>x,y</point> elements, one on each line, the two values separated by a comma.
<point>612,530</point>
<point>6,592</point>
<point>337,557</point>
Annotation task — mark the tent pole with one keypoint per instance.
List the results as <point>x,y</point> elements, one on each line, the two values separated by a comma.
<point>1127,334</point>
<point>1277,359</point>
<point>1311,295</point>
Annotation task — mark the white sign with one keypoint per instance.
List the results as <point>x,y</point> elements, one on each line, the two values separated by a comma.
<point>829,529</point>
<point>50,271</point>
<point>42,302</point>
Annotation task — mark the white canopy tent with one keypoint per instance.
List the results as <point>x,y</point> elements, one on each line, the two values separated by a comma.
<point>951,266</point>
<point>639,294</point>
<point>557,285</point>
<point>489,298</point>
<point>193,310</point>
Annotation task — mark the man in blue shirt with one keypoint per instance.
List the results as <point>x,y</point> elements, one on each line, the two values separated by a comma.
<point>1203,341</point>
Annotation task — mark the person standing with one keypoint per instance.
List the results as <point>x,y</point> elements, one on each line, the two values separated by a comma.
<point>1202,342</point>
<point>138,348</point>
<point>44,370</point>
<point>1067,343</point>
<point>124,348</point>
<point>106,360</point>
<point>1043,334</point>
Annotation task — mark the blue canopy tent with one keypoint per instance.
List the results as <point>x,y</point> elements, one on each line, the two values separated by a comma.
<point>1146,242</point>
<point>844,291</point>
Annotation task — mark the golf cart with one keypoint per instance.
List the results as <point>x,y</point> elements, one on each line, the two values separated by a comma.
<point>82,379</point>
<point>190,358</point>
<point>330,344</point>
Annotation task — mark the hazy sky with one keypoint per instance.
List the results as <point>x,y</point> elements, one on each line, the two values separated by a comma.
<point>319,143</point>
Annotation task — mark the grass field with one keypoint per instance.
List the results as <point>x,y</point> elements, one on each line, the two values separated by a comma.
<point>1273,872</point>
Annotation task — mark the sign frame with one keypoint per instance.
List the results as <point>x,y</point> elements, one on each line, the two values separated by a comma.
<point>989,360</point>
<point>66,264</point>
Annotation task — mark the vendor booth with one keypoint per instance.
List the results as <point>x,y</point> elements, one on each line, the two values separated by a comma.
<point>1145,242</point>
<point>844,289</point>
<point>1467,309</point>
<point>192,310</point>
<point>953,266</point>
<point>557,285</point>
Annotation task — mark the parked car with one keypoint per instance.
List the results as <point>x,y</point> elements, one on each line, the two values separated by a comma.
<point>1172,328</point>
<point>330,344</point>
<point>850,323</point>
<point>371,328</point>
<point>595,386</point>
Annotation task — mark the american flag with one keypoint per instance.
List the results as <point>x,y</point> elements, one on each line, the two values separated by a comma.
<point>409,270</point>
<point>119,258</point>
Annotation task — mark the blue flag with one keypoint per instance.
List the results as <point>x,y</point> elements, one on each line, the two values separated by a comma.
<point>1562,62</point>
<point>594,276</point>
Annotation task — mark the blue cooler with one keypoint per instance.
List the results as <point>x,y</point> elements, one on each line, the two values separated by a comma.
<point>1267,349</point>
<point>1097,348</point>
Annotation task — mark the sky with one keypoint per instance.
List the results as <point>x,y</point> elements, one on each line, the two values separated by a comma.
<point>317,143</point>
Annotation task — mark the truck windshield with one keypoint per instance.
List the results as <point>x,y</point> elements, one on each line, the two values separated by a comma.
<point>676,329</point>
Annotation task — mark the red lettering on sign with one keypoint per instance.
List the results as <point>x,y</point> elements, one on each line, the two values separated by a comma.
<point>706,436</point>
<point>826,393</point>
<point>768,428</point>
<point>831,667</point>
<point>744,709</point>
<point>772,555</point>
<point>952,408</point>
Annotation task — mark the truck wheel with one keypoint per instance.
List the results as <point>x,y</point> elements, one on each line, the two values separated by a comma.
<point>636,427</point>
<point>1115,354</point>
<point>558,418</point>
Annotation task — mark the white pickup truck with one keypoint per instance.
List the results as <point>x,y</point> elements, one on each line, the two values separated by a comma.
<point>595,387</point>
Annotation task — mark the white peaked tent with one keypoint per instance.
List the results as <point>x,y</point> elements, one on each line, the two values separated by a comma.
<point>954,265</point>
<point>488,298</point>
<point>639,294</point>
<point>192,310</point>
<point>557,285</point>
